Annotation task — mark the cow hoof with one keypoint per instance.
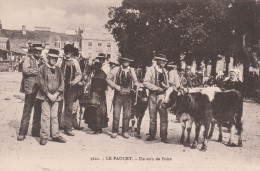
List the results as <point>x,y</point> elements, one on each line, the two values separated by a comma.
<point>182,141</point>
<point>193,146</point>
<point>187,144</point>
<point>230,144</point>
<point>132,134</point>
<point>210,136</point>
<point>138,136</point>
<point>240,143</point>
<point>203,148</point>
<point>219,139</point>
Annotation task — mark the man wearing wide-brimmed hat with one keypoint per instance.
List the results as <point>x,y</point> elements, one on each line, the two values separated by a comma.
<point>174,79</point>
<point>72,75</point>
<point>51,86</point>
<point>29,88</point>
<point>122,79</point>
<point>103,60</point>
<point>156,80</point>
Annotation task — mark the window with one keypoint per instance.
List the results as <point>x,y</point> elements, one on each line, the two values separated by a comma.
<point>108,46</point>
<point>57,44</point>
<point>89,45</point>
<point>99,44</point>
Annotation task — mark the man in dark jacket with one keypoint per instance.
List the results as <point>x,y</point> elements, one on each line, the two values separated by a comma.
<point>29,88</point>
<point>72,75</point>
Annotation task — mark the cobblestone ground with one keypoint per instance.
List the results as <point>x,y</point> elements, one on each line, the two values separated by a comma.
<point>86,151</point>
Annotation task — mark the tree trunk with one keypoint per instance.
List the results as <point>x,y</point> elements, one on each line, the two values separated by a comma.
<point>227,58</point>
<point>245,71</point>
<point>213,66</point>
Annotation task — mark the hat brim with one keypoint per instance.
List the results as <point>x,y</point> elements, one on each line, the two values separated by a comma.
<point>37,48</point>
<point>53,55</point>
<point>101,57</point>
<point>126,59</point>
<point>172,66</point>
<point>161,59</point>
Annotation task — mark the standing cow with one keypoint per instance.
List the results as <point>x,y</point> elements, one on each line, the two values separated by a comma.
<point>140,103</point>
<point>227,108</point>
<point>197,105</point>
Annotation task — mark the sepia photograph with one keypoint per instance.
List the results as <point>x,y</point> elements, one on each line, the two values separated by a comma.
<point>139,85</point>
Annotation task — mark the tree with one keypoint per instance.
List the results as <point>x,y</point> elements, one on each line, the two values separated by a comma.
<point>198,30</point>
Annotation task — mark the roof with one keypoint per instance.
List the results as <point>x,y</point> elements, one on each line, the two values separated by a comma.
<point>97,35</point>
<point>14,48</point>
<point>41,37</point>
<point>2,48</point>
<point>3,39</point>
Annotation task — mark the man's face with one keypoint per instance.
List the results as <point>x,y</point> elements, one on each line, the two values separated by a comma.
<point>232,75</point>
<point>102,60</point>
<point>68,55</point>
<point>52,61</point>
<point>161,63</point>
<point>37,54</point>
<point>125,64</point>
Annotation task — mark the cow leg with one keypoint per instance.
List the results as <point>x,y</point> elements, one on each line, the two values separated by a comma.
<point>197,133</point>
<point>220,133</point>
<point>205,136</point>
<point>211,130</point>
<point>240,142</point>
<point>133,127</point>
<point>139,122</point>
<point>230,142</point>
<point>189,127</point>
<point>183,126</point>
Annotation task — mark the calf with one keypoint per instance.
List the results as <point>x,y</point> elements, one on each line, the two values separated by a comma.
<point>227,109</point>
<point>197,105</point>
<point>138,110</point>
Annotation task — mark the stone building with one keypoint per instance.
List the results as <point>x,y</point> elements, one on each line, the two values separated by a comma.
<point>95,42</point>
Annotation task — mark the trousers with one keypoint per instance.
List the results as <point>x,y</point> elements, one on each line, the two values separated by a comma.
<point>49,120</point>
<point>121,101</point>
<point>30,102</point>
<point>155,107</point>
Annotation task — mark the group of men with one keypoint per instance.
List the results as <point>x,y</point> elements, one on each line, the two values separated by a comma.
<point>48,84</point>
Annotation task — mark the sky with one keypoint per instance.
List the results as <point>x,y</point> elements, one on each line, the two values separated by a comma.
<point>56,14</point>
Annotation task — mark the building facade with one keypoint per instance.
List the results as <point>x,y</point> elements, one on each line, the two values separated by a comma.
<point>94,42</point>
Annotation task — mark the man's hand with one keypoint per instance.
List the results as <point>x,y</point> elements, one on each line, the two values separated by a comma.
<point>81,83</point>
<point>71,83</point>
<point>51,97</point>
<point>161,90</point>
<point>118,88</point>
<point>55,96</point>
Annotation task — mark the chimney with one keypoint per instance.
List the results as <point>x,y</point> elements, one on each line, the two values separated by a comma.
<point>0,25</point>
<point>24,30</point>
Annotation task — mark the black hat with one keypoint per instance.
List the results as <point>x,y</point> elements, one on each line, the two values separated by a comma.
<point>37,47</point>
<point>53,53</point>
<point>161,57</point>
<point>101,56</point>
<point>69,48</point>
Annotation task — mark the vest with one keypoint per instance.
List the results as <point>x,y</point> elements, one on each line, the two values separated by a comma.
<point>160,78</point>
<point>124,80</point>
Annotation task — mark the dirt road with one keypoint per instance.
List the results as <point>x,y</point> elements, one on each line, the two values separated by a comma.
<point>86,151</point>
